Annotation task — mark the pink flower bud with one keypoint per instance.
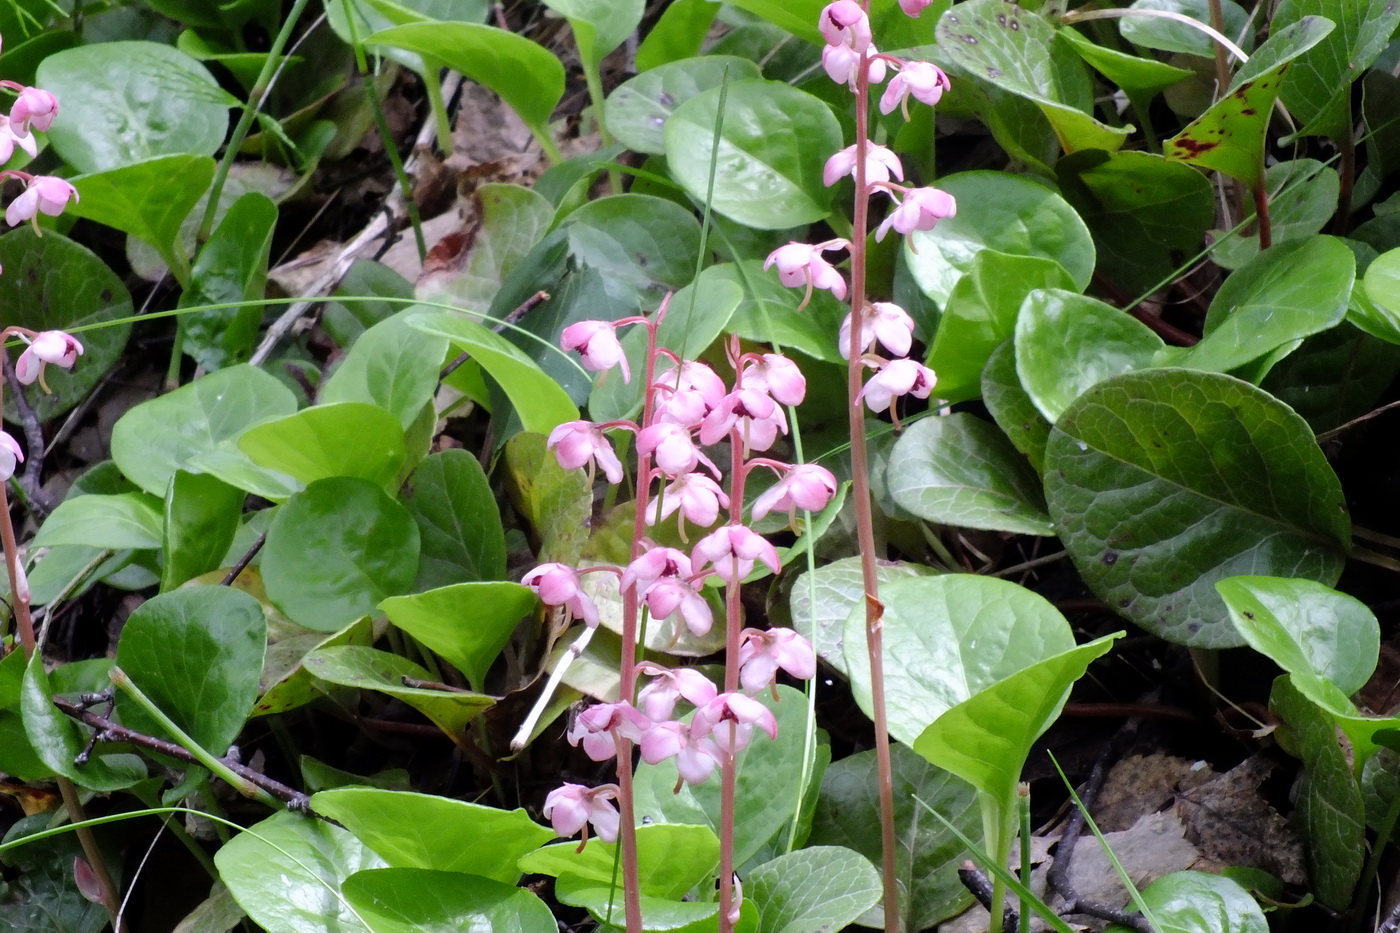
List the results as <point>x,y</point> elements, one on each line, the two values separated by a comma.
<point>884,321</point>
<point>896,378</point>
<point>806,486</point>
<point>842,64</point>
<point>762,654</point>
<point>10,455</point>
<point>845,23</point>
<point>579,443</point>
<point>572,807</point>
<point>924,81</point>
<point>914,7</point>
<point>597,344</point>
<point>880,165</point>
<point>33,106</point>
<point>921,209</point>
<point>777,375</point>
<point>697,497</point>
<point>732,550</point>
<point>802,265</point>
<point>559,585</point>
<point>729,719</point>
<point>45,194</point>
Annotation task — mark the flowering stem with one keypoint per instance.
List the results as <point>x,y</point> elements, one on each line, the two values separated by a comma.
<point>865,519</point>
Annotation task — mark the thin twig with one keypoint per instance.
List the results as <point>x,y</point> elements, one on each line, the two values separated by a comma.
<point>32,476</point>
<point>980,886</point>
<point>525,307</point>
<point>244,561</point>
<point>1328,435</point>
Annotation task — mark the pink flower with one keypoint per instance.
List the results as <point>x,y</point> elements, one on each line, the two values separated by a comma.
<point>729,720</point>
<point>34,106</point>
<point>845,23</point>
<point>777,375</point>
<point>674,449</point>
<point>10,455</point>
<point>896,378</point>
<point>596,342</point>
<point>755,415</point>
<point>694,377</point>
<point>884,321</point>
<point>11,137</point>
<point>800,264</point>
<point>655,564</point>
<point>732,550</point>
<point>842,64</point>
<point>763,654</point>
<point>658,698</point>
<point>572,807</point>
<point>921,209</point>
<point>924,81</point>
<point>662,579</point>
<point>695,495</point>
<point>806,486</point>
<point>880,164</point>
<point>914,7</point>
<point>596,728</point>
<point>695,757</point>
<point>580,443</point>
<point>45,347</point>
<point>559,585</point>
<point>45,194</point>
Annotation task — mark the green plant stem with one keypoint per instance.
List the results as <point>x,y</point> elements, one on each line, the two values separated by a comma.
<point>864,507</point>
<point>432,84</point>
<point>1023,802</point>
<point>245,121</point>
<point>595,94</point>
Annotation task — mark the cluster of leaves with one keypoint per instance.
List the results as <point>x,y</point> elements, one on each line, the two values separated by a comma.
<point>1141,327</point>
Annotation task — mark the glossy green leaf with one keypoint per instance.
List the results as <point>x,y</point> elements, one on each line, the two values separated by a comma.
<point>467,623</point>
<point>286,683</point>
<point>1229,137</point>
<point>541,404</point>
<point>768,312</point>
<point>638,243</point>
<point>57,739</point>
<point>1382,287</point>
<point>1012,407</point>
<point>126,102</point>
<point>947,638</point>
<point>981,313</point>
<point>986,738</point>
<point>638,110</point>
<point>197,654</point>
<point>1164,481</point>
<point>1198,902</point>
<point>1331,814</point>
<point>458,521</point>
<point>671,860</point>
<point>679,33</point>
<point>1146,213</point>
<point>393,365</point>
<point>813,890</point>
<point>286,873</point>
<point>600,26</point>
<point>526,75</point>
<point>17,756</point>
<point>124,520</point>
<point>557,503</point>
<point>960,470</point>
<point>231,269</point>
<point>420,900</point>
<point>1019,52</point>
<point>1334,376</point>
<point>1136,77</point>
<point>370,292</point>
<point>350,439</point>
<point>366,668</point>
<point>772,147</point>
<point>201,517</point>
<point>512,221</point>
<point>927,856</point>
<point>1303,196</point>
<point>822,599</point>
<point>1167,35</point>
<point>1305,627</point>
<point>1318,90</point>
<point>147,200</point>
<point>337,550</point>
<point>768,783</point>
<point>52,283</point>
<point>1008,213</point>
<point>156,438</point>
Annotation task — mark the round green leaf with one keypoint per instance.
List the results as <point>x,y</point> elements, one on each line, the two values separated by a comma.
<point>343,439</point>
<point>640,243</point>
<point>1164,481</point>
<point>392,365</point>
<point>1012,407</point>
<point>420,900</point>
<point>156,438</point>
<point>948,638</point>
<point>638,110</point>
<point>1382,287</point>
<point>52,283</point>
<point>367,668</point>
<point>337,550</point>
<point>468,623</point>
<point>57,739</point>
<point>773,145</point>
<point>1008,213</point>
<point>1304,626</point>
<point>458,520</point>
<point>1201,903</point>
<point>814,890</point>
<point>959,470</point>
<point>126,102</point>
<point>197,653</point>
<point>672,860</point>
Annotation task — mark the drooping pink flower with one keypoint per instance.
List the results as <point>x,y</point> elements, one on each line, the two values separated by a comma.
<point>673,448</point>
<point>924,81</point>
<point>11,137</point>
<point>573,807</point>
<point>694,377</point>
<point>806,486</point>
<point>845,23</point>
<point>44,194</point>
<point>697,497</point>
<point>896,378</point>
<point>10,455</point>
<point>800,264</point>
<point>921,209</point>
<point>729,720</point>
<point>662,579</point>
<point>654,564</point>
<point>732,550</point>
<point>579,443</point>
<point>842,64</point>
<point>46,347</point>
<point>559,585</point>
<point>597,726</point>
<point>763,653</point>
<point>914,7</point>
<point>695,757</point>
<point>752,413</point>
<point>777,375</point>
<point>35,107</point>
<point>884,321</point>
<point>597,345</point>
<point>880,165</point>
<point>669,685</point>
